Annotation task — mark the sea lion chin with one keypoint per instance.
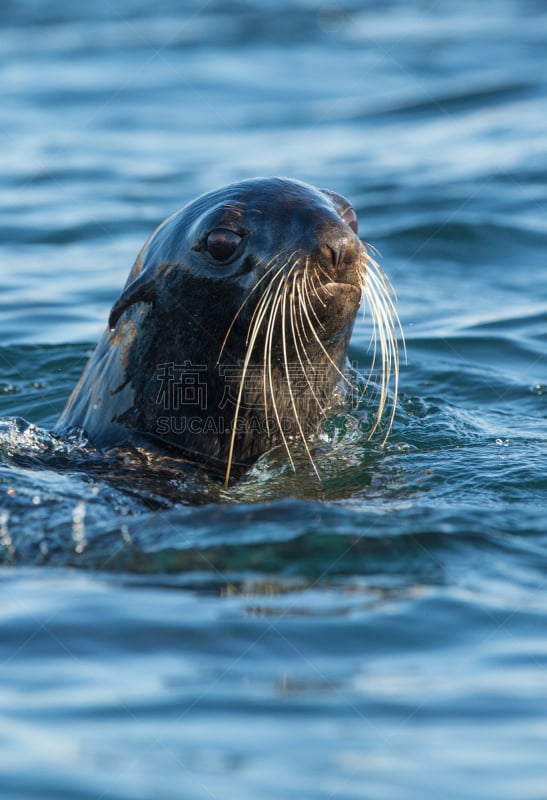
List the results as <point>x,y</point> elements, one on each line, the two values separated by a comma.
<point>231,333</point>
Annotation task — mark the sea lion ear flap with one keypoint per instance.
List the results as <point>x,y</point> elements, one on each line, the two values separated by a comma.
<point>140,291</point>
<point>344,208</point>
<point>336,199</point>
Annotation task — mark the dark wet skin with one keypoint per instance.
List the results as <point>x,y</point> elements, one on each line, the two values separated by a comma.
<point>261,278</point>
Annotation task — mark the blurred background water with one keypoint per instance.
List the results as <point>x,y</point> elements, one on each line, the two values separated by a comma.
<point>381,634</point>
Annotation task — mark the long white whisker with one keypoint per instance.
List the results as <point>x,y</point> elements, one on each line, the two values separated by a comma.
<point>297,337</point>
<point>377,291</point>
<point>255,324</point>
<point>288,377</point>
<point>323,348</point>
<point>270,266</point>
<point>306,283</point>
<point>268,365</point>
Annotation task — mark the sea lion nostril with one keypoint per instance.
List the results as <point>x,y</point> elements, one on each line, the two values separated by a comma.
<point>337,252</point>
<point>336,247</point>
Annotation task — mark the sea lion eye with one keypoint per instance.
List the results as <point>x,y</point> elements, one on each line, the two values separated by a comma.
<point>350,218</point>
<point>222,243</point>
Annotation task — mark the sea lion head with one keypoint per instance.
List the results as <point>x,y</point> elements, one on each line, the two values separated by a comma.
<point>231,333</point>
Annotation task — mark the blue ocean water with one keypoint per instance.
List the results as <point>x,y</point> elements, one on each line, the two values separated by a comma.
<point>380,633</point>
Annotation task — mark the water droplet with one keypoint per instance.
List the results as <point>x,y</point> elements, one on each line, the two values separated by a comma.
<point>78,527</point>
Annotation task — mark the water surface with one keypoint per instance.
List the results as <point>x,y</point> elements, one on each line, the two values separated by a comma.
<point>379,634</point>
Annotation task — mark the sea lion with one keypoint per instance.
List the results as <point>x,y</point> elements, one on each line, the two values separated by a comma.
<point>230,335</point>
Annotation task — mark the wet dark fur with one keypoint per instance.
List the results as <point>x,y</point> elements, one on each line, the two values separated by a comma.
<point>181,307</point>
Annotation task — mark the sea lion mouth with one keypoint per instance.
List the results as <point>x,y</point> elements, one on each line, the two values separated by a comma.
<point>337,287</point>
<point>330,290</point>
